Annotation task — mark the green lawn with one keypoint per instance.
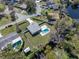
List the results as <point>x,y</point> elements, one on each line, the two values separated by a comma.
<point>51,55</point>
<point>64,55</point>
<point>23,25</point>
<point>38,39</point>
<point>2,7</point>
<point>5,20</point>
<point>8,30</point>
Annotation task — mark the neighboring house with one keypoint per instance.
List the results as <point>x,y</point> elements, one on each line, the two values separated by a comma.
<point>23,6</point>
<point>51,5</point>
<point>34,28</point>
<point>54,15</point>
<point>10,38</point>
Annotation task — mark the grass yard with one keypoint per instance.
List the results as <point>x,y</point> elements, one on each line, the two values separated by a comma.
<point>51,55</point>
<point>64,55</point>
<point>5,20</point>
<point>38,39</point>
<point>8,30</point>
<point>56,1</point>
<point>2,7</point>
<point>23,25</point>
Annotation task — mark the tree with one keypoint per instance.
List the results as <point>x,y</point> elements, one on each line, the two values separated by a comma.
<point>70,49</point>
<point>31,6</point>
<point>13,16</point>
<point>2,7</point>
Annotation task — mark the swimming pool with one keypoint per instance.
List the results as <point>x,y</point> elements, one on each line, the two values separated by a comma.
<point>44,30</point>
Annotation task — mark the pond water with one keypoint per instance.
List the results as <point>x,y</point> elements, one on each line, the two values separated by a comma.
<point>73,13</point>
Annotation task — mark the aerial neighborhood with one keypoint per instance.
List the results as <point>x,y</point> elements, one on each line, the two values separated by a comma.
<point>39,29</point>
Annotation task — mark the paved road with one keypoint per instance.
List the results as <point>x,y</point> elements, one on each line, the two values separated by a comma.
<point>22,17</point>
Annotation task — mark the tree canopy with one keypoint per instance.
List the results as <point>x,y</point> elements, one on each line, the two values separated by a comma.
<point>31,6</point>
<point>2,7</point>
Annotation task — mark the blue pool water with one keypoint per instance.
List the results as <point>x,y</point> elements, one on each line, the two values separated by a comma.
<point>16,44</point>
<point>74,13</point>
<point>46,30</point>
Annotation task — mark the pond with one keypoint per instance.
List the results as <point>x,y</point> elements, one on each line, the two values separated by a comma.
<point>73,13</point>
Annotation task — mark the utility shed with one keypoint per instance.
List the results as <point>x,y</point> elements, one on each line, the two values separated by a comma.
<point>34,28</point>
<point>27,50</point>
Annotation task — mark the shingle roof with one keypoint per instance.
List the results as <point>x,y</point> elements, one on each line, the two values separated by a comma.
<point>34,28</point>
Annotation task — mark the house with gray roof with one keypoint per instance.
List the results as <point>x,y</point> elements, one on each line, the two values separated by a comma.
<point>34,28</point>
<point>4,41</point>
